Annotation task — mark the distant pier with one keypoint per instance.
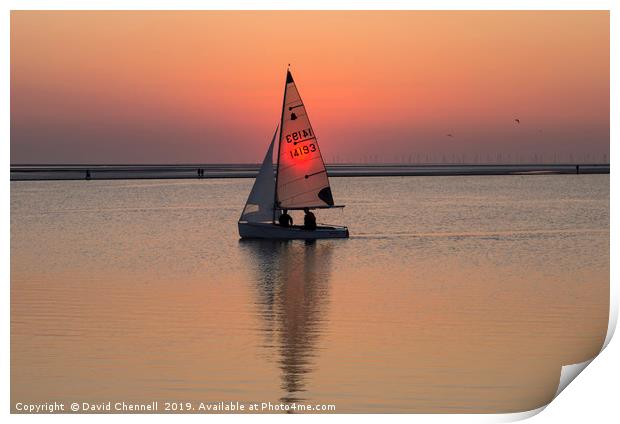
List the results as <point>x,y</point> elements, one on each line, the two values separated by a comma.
<point>200,171</point>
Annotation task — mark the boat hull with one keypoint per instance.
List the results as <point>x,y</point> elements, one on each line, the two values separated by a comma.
<point>252,230</point>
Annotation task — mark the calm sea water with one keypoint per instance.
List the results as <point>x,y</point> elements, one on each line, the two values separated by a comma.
<point>453,294</point>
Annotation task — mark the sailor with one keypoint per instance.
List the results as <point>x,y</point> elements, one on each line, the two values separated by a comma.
<point>285,219</point>
<point>309,220</point>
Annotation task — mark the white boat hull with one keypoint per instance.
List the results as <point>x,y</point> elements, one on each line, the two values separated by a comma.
<point>257,230</point>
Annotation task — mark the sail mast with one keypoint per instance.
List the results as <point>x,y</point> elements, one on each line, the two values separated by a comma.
<point>275,192</point>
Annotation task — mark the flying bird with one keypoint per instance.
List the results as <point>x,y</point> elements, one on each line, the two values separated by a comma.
<point>517,121</point>
<point>449,135</point>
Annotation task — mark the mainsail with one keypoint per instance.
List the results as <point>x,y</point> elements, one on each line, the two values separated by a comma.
<point>259,207</point>
<point>301,175</point>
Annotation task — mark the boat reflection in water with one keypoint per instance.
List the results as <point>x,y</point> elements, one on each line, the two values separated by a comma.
<point>292,300</point>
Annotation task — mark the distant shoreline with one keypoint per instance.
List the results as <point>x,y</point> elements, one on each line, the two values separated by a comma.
<point>33,172</point>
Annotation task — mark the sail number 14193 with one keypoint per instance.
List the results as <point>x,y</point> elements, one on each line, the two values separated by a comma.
<point>300,136</point>
<point>303,150</point>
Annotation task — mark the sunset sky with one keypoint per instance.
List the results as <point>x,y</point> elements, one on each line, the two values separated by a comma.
<point>206,86</point>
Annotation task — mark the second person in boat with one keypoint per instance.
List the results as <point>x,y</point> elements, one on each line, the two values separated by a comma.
<point>285,219</point>
<point>309,220</point>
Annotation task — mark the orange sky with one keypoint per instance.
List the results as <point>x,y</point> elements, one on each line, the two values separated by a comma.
<point>187,86</point>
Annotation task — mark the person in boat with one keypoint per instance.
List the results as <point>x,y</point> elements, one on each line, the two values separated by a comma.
<point>285,219</point>
<point>309,220</point>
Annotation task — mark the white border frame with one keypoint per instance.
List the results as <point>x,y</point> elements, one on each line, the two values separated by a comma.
<point>592,398</point>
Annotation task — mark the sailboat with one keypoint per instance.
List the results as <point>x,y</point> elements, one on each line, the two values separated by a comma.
<point>300,179</point>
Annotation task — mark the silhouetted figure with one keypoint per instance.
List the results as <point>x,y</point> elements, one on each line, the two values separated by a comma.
<point>309,220</point>
<point>285,219</point>
<point>578,169</point>
<point>88,174</point>
<point>201,172</point>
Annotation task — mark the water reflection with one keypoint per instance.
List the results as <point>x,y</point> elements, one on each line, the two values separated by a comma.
<point>292,297</point>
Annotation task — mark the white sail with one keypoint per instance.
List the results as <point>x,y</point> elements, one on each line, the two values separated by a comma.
<point>259,206</point>
<point>301,175</point>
